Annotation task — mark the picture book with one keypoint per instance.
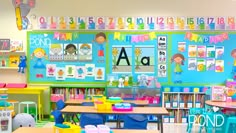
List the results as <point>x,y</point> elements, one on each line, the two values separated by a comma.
<point>80,72</point>
<point>219,66</point>
<point>192,51</point>
<point>4,60</point>
<point>56,52</point>
<point>99,73</point>
<point>192,63</point>
<point>70,71</point>
<point>16,45</point>
<point>14,60</point>
<point>85,52</point>
<point>218,93</point>
<point>5,44</point>
<point>51,70</point>
<point>70,52</point>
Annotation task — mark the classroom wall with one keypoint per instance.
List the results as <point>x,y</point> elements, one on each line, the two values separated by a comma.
<point>105,8</point>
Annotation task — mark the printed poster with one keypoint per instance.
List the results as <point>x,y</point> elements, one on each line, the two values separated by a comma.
<point>162,42</point>
<point>70,71</point>
<point>16,45</point>
<point>90,69</point>
<point>4,44</point>
<point>211,51</point>
<point>51,70</point>
<point>192,64</point>
<point>85,52</point>
<point>192,51</point>
<point>201,65</point>
<point>201,51</point>
<point>14,60</point>
<point>210,64</point>
<point>218,93</point>
<point>99,73</point>
<point>60,73</point>
<point>162,70</point>
<point>70,52</point>
<point>219,66</point>
<point>56,52</point>
<point>80,72</point>
<point>219,52</point>
<point>181,46</point>
<point>161,56</point>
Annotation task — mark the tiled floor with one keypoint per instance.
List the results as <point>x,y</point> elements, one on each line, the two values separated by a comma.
<point>168,128</point>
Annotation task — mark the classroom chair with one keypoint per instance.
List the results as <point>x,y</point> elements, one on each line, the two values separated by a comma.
<point>60,104</point>
<point>90,119</point>
<point>58,116</point>
<point>121,117</point>
<point>230,120</point>
<point>135,121</point>
<point>28,103</point>
<point>13,103</point>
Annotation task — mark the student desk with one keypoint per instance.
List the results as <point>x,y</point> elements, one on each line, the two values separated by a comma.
<point>30,91</point>
<point>158,111</point>
<point>50,130</point>
<point>80,101</point>
<point>227,105</point>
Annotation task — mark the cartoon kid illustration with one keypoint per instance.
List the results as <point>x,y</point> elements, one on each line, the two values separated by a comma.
<point>233,54</point>
<point>70,49</point>
<point>100,39</point>
<point>56,49</point>
<point>39,54</point>
<point>179,60</point>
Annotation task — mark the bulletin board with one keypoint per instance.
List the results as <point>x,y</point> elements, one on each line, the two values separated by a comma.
<point>141,52</point>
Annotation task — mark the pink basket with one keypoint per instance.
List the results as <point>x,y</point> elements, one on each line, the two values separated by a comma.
<point>15,85</point>
<point>57,97</point>
<point>122,110</point>
<point>79,96</point>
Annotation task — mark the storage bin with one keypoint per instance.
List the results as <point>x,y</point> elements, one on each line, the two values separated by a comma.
<point>57,97</point>
<point>72,129</point>
<point>167,89</point>
<point>176,89</point>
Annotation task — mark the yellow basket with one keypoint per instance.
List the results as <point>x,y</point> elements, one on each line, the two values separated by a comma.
<point>108,106</point>
<point>72,129</point>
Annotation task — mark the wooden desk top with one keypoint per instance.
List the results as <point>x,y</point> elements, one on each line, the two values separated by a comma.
<point>136,110</point>
<point>80,101</point>
<point>229,105</point>
<point>50,130</point>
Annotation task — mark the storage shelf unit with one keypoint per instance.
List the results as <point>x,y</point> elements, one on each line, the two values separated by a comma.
<point>178,101</point>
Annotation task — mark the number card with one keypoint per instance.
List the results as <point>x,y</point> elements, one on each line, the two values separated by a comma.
<point>91,23</point>
<point>170,21</point>
<point>130,23</point>
<point>56,52</point>
<point>231,23</point>
<point>160,21</point>
<point>150,23</point>
<point>111,23</point>
<point>210,23</point>
<point>220,23</point>
<point>52,22</point>
<point>140,22</point>
<point>100,21</point>
<point>190,23</point>
<point>70,52</point>
<point>180,23</point>
<point>120,23</point>
<point>42,22</point>
<point>81,22</point>
<point>201,24</point>
<point>62,23</point>
<point>71,23</point>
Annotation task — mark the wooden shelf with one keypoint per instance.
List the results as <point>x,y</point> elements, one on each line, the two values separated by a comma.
<point>10,68</point>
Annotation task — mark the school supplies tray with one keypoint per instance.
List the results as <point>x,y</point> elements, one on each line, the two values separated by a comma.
<point>83,131</point>
<point>114,100</point>
<point>122,107</point>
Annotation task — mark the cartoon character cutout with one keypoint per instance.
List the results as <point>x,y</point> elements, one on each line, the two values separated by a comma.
<point>39,54</point>
<point>233,54</point>
<point>178,59</point>
<point>56,52</point>
<point>100,39</point>
<point>22,64</point>
<point>70,52</point>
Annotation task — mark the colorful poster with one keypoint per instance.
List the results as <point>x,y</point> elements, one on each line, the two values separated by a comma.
<point>16,45</point>
<point>219,66</point>
<point>99,73</point>
<point>201,65</point>
<point>144,59</point>
<point>210,64</point>
<point>56,52</point>
<point>70,52</point>
<point>161,70</point>
<point>162,42</point>
<point>60,73</point>
<point>5,44</point>
<point>181,46</point>
<point>162,56</point>
<point>122,59</point>
<point>85,52</point>
<point>211,51</point>
<point>51,70</point>
<point>192,51</point>
<point>100,23</point>
<point>201,51</point>
<point>80,72</point>
<point>62,23</point>
<point>70,71</point>
<point>192,64</point>
<point>90,69</point>
<point>219,52</point>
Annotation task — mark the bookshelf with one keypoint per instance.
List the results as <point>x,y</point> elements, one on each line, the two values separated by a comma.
<point>178,101</point>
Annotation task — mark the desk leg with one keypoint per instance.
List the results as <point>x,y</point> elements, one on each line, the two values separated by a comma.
<point>39,106</point>
<point>160,121</point>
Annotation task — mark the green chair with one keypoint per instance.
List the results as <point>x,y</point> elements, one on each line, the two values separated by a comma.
<point>230,120</point>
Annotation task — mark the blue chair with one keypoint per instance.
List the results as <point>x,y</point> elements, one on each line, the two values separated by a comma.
<point>121,117</point>
<point>90,119</point>
<point>135,121</point>
<point>60,104</point>
<point>58,116</point>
